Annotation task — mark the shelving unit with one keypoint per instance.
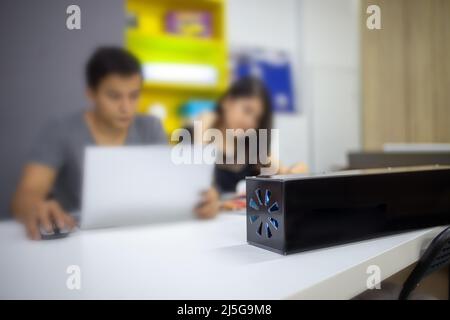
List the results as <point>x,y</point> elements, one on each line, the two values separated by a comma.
<point>147,38</point>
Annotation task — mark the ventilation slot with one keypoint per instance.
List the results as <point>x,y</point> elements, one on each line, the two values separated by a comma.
<point>268,232</point>
<point>274,222</point>
<point>253,204</point>
<point>259,196</point>
<point>259,230</point>
<point>274,208</point>
<point>267,197</point>
<point>253,218</point>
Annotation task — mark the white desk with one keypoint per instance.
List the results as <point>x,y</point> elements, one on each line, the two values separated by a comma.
<point>192,260</point>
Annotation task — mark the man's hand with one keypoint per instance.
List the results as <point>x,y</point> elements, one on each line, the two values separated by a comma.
<point>46,214</point>
<point>29,203</point>
<point>209,205</point>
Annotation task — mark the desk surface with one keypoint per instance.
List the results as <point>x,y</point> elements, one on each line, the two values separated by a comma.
<point>192,260</point>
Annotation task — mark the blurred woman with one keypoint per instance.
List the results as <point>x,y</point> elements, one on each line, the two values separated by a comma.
<point>246,105</point>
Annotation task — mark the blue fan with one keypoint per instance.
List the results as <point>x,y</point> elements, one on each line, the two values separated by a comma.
<point>264,216</point>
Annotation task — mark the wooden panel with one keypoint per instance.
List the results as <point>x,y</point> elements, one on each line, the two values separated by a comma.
<point>419,70</point>
<point>406,73</point>
<point>383,70</point>
<point>441,54</point>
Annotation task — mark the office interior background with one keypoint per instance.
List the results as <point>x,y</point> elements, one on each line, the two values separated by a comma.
<point>352,88</point>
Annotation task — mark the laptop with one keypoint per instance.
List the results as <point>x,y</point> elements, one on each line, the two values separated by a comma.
<point>139,185</point>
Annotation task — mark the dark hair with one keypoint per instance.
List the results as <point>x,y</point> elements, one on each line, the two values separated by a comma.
<point>248,87</point>
<point>110,60</point>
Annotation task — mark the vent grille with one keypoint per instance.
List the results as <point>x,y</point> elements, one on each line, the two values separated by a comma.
<point>264,213</point>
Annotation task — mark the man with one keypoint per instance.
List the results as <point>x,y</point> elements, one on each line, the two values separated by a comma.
<point>50,185</point>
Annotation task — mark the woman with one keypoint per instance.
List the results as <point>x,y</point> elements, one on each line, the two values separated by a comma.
<point>246,105</point>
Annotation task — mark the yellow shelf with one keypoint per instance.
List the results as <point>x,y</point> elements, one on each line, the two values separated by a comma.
<point>183,87</point>
<point>152,13</point>
<point>151,44</point>
<point>171,40</point>
<point>169,48</point>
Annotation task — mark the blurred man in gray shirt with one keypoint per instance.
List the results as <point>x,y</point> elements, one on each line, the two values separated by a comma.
<point>51,181</point>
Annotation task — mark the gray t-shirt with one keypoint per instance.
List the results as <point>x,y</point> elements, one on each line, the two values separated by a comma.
<point>61,144</point>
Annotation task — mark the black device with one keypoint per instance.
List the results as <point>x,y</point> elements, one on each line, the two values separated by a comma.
<point>292,213</point>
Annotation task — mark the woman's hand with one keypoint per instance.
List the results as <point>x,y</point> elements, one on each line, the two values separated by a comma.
<point>209,204</point>
<point>297,168</point>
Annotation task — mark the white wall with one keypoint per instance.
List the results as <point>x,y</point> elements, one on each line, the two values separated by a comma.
<point>329,43</point>
<point>272,24</point>
<point>322,38</point>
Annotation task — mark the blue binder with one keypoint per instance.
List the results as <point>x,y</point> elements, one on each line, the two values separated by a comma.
<point>275,70</point>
